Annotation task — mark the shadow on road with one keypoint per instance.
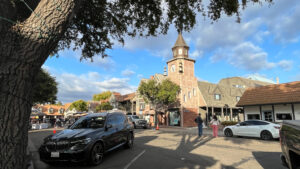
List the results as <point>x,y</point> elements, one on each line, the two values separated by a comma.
<point>268,159</point>
<point>154,156</point>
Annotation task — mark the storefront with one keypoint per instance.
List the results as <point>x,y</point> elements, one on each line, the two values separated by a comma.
<point>174,117</point>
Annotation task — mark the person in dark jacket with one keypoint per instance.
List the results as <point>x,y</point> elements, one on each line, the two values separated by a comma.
<point>199,121</point>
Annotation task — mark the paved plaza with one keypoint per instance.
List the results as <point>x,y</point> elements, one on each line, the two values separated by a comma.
<point>178,149</point>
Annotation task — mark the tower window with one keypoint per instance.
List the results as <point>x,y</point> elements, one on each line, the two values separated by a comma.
<point>194,92</point>
<point>180,51</point>
<point>189,94</point>
<point>173,68</point>
<point>186,51</point>
<point>184,98</point>
<point>180,67</point>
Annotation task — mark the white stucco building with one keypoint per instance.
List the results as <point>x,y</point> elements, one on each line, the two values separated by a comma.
<point>272,103</point>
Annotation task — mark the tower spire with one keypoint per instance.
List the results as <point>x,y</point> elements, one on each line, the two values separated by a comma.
<point>180,41</point>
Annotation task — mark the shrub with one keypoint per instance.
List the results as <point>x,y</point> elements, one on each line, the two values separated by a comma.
<point>228,123</point>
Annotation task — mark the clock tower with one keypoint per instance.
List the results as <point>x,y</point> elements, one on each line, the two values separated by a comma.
<point>181,72</point>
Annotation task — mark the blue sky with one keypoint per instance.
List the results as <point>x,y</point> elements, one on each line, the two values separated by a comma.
<point>265,43</point>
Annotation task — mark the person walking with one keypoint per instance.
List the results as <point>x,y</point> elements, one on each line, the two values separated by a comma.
<point>215,123</point>
<point>199,121</point>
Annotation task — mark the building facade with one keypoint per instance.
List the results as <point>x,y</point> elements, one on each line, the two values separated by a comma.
<point>272,103</point>
<point>196,96</point>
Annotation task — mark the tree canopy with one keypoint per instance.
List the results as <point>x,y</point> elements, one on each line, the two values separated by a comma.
<point>104,106</point>
<point>45,88</point>
<point>98,23</point>
<point>79,105</point>
<point>102,96</point>
<point>161,95</point>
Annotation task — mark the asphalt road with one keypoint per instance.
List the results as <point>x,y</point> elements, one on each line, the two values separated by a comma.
<point>170,149</point>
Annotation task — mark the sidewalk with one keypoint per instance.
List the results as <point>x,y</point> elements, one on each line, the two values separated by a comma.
<point>190,130</point>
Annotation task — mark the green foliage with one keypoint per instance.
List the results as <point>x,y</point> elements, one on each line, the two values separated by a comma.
<point>162,94</point>
<point>168,92</point>
<point>98,23</point>
<point>228,123</point>
<point>45,88</point>
<point>59,103</point>
<point>149,90</point>
<point>102,96</point>
<point>79,105</point>
<point>104,106</point>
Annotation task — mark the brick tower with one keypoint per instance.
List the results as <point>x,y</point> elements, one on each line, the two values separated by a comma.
<point>181,71</point>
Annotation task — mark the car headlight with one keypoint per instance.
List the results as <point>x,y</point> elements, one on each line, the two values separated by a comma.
<point>80,144</point>
<point>82,141</point>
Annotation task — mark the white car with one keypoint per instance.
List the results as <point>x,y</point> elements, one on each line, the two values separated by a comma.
<point>137,122</point>
<point>253,128</point>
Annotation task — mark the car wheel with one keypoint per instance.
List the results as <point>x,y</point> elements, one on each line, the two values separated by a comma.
<point>129,142</point>
<point>97,153</point>
<point>266,135</point>
<point>228,133</point>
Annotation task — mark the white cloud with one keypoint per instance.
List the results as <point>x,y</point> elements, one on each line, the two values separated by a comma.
<point>73,87</point>
<point>285,64</point>
<point>245,56</point>
<point>260,77</point>
<point>127,72</point>
<point>196,54</point>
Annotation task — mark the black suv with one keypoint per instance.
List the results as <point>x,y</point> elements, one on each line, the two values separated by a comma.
<point>88,139</point>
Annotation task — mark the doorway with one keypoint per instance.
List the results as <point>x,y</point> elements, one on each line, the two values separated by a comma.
<point>268,116</point>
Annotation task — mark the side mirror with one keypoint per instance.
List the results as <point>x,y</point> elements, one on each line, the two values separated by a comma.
<point>108,126</point>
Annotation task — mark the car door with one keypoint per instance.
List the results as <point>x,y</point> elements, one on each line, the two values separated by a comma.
<point>122,128</point>
<point>110,133</point>
<point>242,129</point>
<point>253,128</point>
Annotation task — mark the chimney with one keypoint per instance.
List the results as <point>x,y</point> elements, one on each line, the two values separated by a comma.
<point>165,71</point>
<point>277,80</point>
<point>151,77</point>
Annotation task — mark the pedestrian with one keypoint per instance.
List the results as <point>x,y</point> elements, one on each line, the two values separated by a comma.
<point>215,123</point>
<point>199,121</point>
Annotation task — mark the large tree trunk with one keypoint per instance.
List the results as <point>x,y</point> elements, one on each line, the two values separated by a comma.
<point>24,47</point>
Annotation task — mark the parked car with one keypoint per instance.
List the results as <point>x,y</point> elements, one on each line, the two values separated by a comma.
<point>137,122</point>
<point>35,126</point>
<point>290,143</point>
<point>88,139</point>
<point>254,128</point>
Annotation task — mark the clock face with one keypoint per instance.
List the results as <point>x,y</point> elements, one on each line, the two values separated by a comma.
<point>173,68</point>
<point>180,51</point>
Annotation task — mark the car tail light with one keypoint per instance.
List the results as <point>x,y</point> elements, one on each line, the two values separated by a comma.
<point>276,127</point>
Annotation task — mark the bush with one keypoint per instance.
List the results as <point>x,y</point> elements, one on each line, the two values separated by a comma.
<point>228,123</point>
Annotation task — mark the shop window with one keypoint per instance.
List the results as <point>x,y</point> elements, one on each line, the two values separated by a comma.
<point>253,116</point>
<point>217,97</point>
<point>283,116</point>
<point>142,106</point>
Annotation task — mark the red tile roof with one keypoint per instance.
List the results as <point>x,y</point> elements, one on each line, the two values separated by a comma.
<point>271,94</point>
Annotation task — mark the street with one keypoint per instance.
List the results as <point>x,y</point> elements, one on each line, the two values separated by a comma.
<point>169,149</point>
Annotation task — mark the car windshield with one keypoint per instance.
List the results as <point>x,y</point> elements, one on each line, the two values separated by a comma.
<point>89,122</point>
<point>135,117</point>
